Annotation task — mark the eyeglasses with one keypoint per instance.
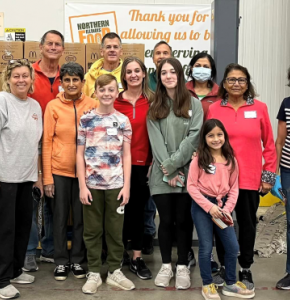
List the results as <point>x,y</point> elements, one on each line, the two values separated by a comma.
<point>20,61</point>
<point>233,80</point>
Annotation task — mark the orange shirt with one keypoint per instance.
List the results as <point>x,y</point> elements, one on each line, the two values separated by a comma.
<point>61,121</point>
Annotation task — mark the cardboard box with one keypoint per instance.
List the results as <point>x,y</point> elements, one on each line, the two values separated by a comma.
<point>74,52</point>
<point>32,51</point>
<point>93,52</point>
<point>9,51</point>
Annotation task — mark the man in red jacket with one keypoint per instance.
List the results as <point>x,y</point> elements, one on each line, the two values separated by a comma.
<point>46,87</point>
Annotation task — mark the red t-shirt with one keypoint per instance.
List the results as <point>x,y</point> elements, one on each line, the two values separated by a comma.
<point>140,145</point>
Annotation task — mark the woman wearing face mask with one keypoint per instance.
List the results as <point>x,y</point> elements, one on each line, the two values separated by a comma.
<point>202,86</point>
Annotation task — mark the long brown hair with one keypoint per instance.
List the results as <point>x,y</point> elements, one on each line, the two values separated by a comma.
<point>160,107</point>
<point>204,156</point>
<point>145,86</point>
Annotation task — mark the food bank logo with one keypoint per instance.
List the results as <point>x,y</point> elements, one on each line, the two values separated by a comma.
<point>92,28</point>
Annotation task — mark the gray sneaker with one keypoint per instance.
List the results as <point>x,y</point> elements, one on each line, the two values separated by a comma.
<point>23,279</point>
<point>238,290</point>
<point>219,278</point>
<point>9,292</point>
<point>30,264</point>
<point>47,259</point>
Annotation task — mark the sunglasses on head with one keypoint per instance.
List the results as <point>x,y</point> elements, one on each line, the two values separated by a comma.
<point>21,61</point>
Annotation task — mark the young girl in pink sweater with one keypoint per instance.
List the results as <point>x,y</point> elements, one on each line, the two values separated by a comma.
<point>213,185</point>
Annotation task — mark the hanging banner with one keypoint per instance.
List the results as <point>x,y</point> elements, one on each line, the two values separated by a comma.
<point>185,28</point>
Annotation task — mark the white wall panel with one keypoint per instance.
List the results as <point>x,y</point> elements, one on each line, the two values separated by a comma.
<point>264,48</point>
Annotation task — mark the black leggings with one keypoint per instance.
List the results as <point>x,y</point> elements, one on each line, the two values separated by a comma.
<point>16,218</point>
<point>134,211</point>
<point>174,208</point>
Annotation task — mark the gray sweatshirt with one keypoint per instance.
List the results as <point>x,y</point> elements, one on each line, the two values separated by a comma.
<point>20,133</point>
<point>173,141</point>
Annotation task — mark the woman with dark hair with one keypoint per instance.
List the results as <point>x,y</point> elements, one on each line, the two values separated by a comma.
<point>134,102</point>
<point>283,162</point>
<point>174,122</point>
<point>247,122</point>
<point>20,134</point>
<point>202,86</point>
<point>61,120</point>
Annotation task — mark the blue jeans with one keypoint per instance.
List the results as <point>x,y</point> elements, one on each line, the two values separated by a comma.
<point>149,216</point>
<point>47,240</point>
<point>204,227</point>
<point>285,181</point>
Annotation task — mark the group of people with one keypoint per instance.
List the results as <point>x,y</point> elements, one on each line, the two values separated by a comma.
<point>116,143</point>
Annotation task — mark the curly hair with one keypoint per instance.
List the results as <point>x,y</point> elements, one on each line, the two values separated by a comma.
<point>6,75</point>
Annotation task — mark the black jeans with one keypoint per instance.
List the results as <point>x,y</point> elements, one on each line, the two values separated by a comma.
<point>66,196</point>
<point>174,208</point>
<point>15,214</point>
<point>134,211</point>
<point>246,210</point>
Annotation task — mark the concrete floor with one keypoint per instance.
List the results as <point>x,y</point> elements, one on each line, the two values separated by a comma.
<point>266,272</point>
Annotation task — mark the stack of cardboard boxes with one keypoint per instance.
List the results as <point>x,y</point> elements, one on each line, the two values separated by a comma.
<point>84,54</point>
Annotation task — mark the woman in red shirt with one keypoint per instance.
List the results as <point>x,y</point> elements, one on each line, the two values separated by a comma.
<point>134,102</point>
<point>248,124</point>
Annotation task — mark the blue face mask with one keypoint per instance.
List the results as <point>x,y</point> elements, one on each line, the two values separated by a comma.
<point>201,74</point>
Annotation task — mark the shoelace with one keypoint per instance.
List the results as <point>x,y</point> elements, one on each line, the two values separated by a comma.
<point>93,276</point>
<point>182,271</point>
<point>142,264</point>
<point>77,267</point>
<point>241,285</point>
<point>60,268</point>
<point>165,270</point>
<point>118,275</point>
<point>212,288</point>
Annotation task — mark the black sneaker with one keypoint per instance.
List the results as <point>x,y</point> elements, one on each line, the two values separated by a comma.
<point>246,278</point>
<point>219,278</point>
<point>191,259</point>
<point>78,271</point>
<point>126,259</point>
<point>148,247</point>
<point>61,272</point>
<point>284,283</point>
<point>139,267</point>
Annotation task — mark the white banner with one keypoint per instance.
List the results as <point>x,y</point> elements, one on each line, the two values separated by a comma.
<point>185,28</point>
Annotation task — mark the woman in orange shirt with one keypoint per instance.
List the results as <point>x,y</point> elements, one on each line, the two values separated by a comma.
<point>60,181</point>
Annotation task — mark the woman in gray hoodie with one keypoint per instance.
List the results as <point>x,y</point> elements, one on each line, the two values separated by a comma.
<point>174,122</point>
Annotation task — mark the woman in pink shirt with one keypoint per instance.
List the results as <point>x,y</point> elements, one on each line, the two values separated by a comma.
<point>213,185</point>
<point>248,125</point>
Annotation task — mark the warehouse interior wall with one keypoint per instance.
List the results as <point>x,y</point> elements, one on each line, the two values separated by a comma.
<point>264,36</point>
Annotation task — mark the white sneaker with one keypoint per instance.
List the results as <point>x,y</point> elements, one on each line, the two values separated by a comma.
<point>23,279</point>
<point>117,278</point>
<point>164,275</point>
<point>9,292</point>
<point>93,282</point>
<point>182,281</point>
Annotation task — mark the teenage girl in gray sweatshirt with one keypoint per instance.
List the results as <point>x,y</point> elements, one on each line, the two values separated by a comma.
<point>174,122</point>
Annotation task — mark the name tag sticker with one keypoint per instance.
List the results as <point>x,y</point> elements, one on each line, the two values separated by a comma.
<point>250,114</point>
<point>112,131</point>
